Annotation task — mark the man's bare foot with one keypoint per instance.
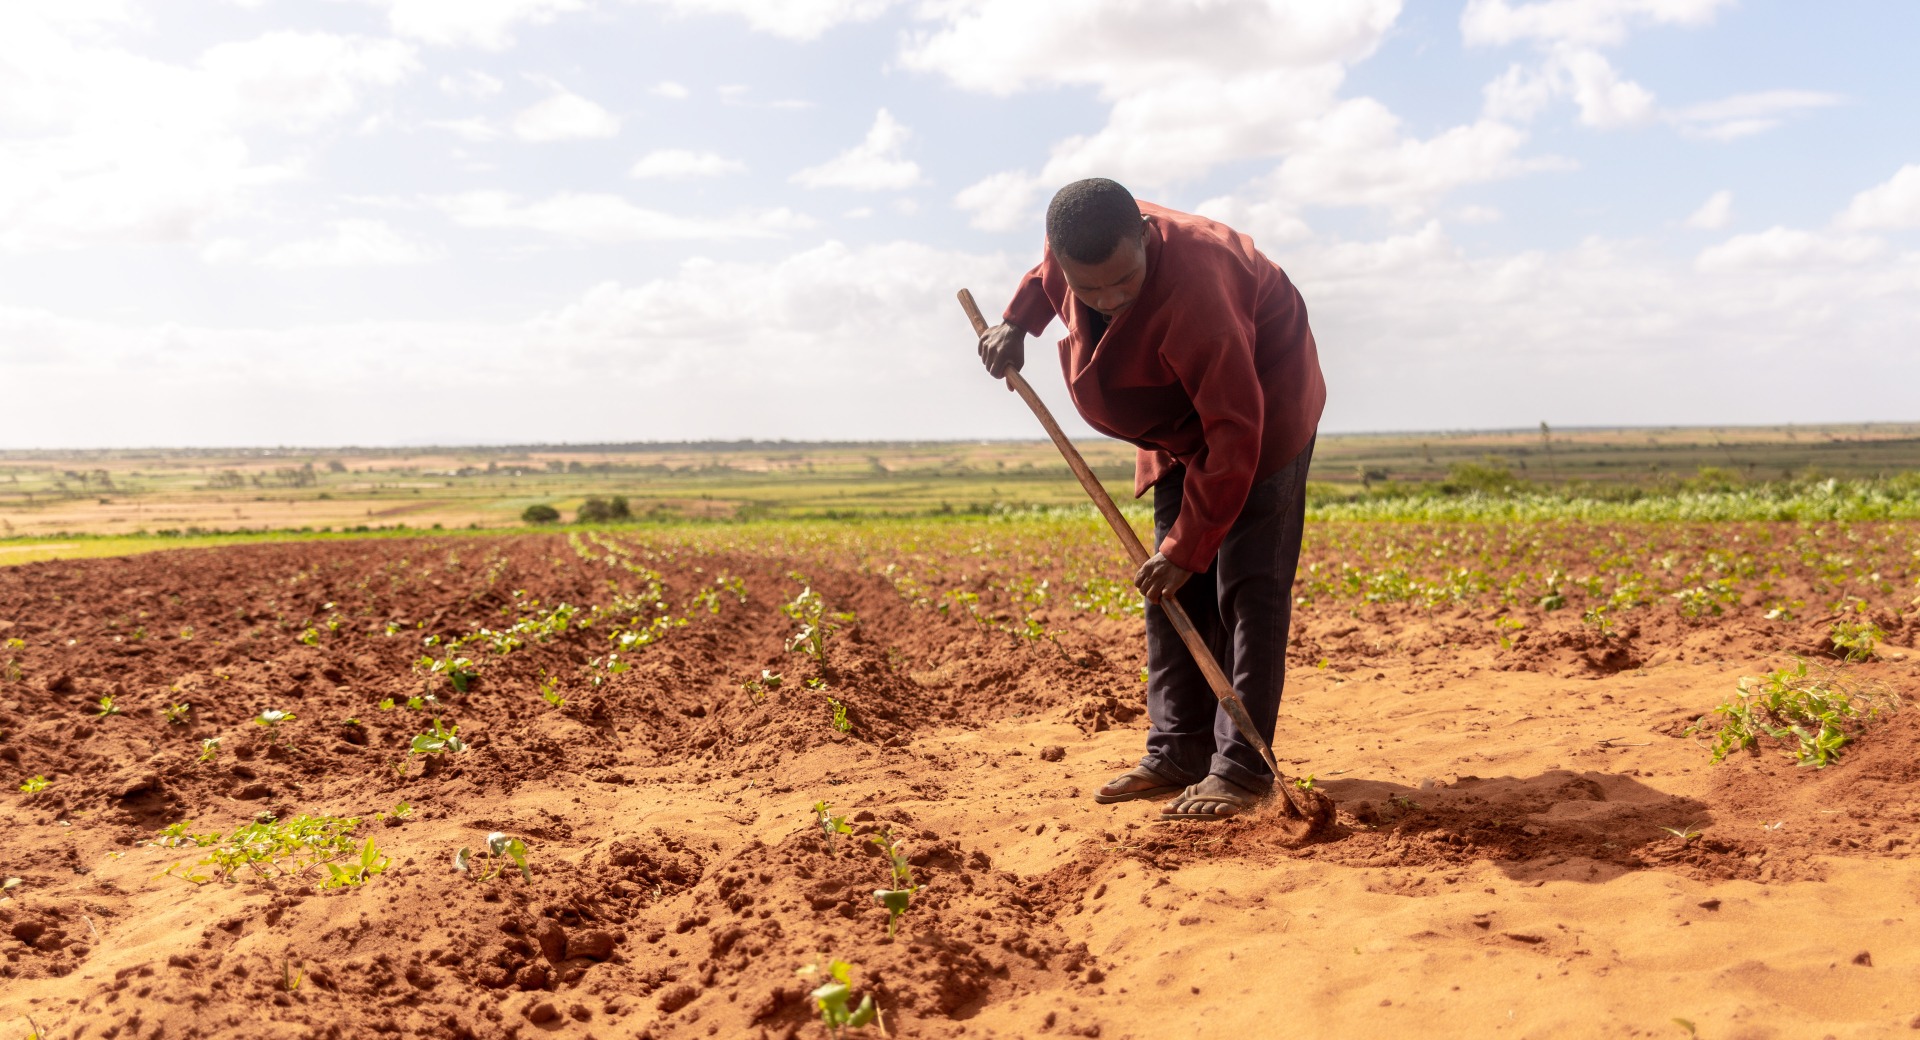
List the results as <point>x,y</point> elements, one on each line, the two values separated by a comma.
<point>1138,782</point>
<point>1211,799</point>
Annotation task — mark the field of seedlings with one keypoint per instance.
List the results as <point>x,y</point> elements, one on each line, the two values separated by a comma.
<point>806,779</point>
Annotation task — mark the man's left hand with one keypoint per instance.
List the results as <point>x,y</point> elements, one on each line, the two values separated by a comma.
<point>1160,577</point>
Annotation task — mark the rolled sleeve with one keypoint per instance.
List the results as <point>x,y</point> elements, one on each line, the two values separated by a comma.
<point>1032,309</point>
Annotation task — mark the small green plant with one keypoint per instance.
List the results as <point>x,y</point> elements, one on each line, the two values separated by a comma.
<point>1503,626</point>
<point>177,713</point>
<point>550,692</point>
<point>459,670</point>
<point>900,896</point>
<point>830,824</point>
<point>832,997</point>
<point>840,720</point>
<point>809,608</point>
<point>1686,834</point>
<point>437,740</point>
<point>209,749</point>
<point>1304,783</point>
<point>270,848</point>
<point>34,785</point>
<point>1817,713</point>
<point>371,864</point>
<point>272,718</point>
<point>1855,640</point>
<point>311,636</point>
<point>107,707</point>
<point>499,851</point>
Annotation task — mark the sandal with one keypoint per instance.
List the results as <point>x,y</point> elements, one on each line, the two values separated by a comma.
<point>1234,799</point>
<point>1159,786</point>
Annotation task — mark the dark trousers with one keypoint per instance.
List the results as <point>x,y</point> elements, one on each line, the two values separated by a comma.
<point>1242,606</point>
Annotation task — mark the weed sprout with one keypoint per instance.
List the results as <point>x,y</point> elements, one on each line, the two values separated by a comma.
<point>34,784</point>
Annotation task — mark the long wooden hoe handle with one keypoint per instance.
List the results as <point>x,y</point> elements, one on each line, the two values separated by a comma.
<point>1202,655</point>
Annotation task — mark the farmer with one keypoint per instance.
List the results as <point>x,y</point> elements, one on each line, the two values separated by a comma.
<point>1187,342</point>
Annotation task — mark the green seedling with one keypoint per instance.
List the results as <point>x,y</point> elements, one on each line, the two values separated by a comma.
<point>500,849</point>
<point>272,718</point>
<point>437,740</point>
<point>900,896</point>
<point>399,812</point>
<point>832,996</point>
<point>107,707</point>
<point>1304,783</point>
<point>550,692</point>
<point>311,636</point>
<point>386,704</point>
<point>840,720</point>
<point>1856,640</point>
<point>270,849</point>
<point>177,713</point>
<point>459,671</point>
<point>209,749</point>
<point>1686,834</point>
<point>830,825</point>
<point>371,864</point>
<point>809,608</point>
<point>34,784</point>
<point>1504,625</point>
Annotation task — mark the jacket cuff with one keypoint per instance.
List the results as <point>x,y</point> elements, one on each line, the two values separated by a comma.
<point>1195,555</point>
<point>1030,309</point>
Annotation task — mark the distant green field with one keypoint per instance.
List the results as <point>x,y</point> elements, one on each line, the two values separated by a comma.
<point>96,503</point>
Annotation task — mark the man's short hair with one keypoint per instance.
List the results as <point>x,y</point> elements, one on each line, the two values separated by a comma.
<point>1088,220</point>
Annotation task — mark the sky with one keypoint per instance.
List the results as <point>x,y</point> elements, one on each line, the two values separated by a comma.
<point>404,222</point>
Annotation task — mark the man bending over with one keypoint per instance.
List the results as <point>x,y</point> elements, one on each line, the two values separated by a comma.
<point>1187,342</point>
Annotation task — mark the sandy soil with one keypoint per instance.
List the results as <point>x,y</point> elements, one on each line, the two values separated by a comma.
<point>1499,866</point>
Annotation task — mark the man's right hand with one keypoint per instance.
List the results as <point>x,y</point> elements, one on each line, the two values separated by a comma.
<point>1003,349</point>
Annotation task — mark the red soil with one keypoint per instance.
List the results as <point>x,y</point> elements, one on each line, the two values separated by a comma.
<point>679,879</point>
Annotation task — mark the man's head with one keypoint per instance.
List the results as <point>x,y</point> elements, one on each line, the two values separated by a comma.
<point>1098,237</point>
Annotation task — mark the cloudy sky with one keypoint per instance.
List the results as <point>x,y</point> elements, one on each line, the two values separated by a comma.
<point>234,222</point>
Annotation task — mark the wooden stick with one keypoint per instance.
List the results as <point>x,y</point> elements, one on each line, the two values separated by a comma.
<point>1202,654</point>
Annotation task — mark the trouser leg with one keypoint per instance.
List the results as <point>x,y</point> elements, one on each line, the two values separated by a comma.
<point>1180,704</point>
<point>1254,590</point>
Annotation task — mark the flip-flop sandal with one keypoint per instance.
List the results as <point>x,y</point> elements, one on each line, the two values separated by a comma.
<point>1239,804</point>
<point>1141,773</point>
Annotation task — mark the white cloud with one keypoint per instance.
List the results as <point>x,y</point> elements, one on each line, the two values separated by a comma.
<point>1585,22</point>
<point>115,146</point>
<point>1743,115</point>
<point>670,90</point>
<point>564,116</point>
<point>1780,247</point>
<point>1890,205</point>
<point>593,217</point>
<point>475,129</point>
<point>487,24</point>
<point>1006,46</point>
<point>1478,215</point>
<point>1714,213</point>
<point>472,84</point>
<point>792,19</point>
<point>352,243</point>
<point>1007,201</point>
<point>1605,100</point>
<point>679,163</point>
<point>875,164</point>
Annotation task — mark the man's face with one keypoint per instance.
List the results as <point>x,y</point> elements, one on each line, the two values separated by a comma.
<point>1111,285</point>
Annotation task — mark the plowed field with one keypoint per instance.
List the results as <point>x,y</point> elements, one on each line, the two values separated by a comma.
<point>1530,841</point>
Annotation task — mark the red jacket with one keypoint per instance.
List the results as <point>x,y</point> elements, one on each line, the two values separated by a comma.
<point>1213,366</point>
